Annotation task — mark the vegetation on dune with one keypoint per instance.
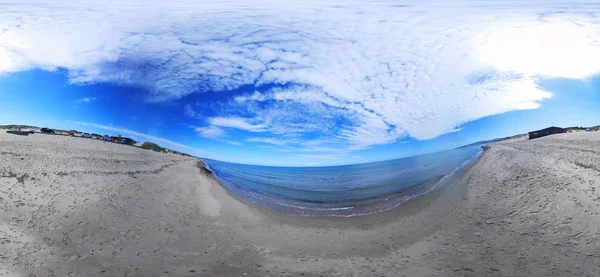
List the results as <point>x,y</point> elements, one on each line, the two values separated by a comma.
<point>16,126</point>
<point>152,146</point>
<point>575,128</point>
<point>179,153</point>
<point>515,136</point>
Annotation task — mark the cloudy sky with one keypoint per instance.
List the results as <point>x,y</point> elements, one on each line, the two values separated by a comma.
<point>301,83</point>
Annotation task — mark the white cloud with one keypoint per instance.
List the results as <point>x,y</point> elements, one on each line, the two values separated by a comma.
<point>189,111</point>
<point>551,49</point>
<point>210,131</point>
<point>237,123</point>
<point>216,125</point>
<point>256,96</point>
<point>362,73</point>
<point>214,132</point>
<point>85,100</point>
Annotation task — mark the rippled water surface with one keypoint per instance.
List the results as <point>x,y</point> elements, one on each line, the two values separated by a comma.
<point>348,190</point>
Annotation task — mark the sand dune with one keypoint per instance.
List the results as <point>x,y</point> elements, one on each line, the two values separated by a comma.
<point>80,207</point>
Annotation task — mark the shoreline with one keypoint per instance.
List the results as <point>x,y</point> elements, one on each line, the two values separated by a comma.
<point>410,206</point>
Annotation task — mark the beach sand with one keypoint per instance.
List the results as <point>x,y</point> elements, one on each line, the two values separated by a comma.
<point>81,207</point>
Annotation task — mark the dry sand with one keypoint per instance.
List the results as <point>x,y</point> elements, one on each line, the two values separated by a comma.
<point>81,207</point>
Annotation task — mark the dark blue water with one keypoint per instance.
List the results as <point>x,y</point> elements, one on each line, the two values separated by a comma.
<point>348,190</point>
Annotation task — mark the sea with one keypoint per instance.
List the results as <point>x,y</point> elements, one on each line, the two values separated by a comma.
<point>343,191</point>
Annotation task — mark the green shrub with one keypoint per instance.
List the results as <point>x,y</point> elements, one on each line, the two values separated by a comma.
<point>152,146</point>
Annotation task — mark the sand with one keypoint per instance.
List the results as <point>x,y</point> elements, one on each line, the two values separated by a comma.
<point>82,207</point>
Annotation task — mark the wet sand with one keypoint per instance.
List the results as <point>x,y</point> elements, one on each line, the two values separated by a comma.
<point>80,207</point>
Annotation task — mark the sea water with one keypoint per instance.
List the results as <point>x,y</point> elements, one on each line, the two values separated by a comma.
<point>343,191</point>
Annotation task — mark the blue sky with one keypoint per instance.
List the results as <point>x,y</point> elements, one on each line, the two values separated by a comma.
<point>47,99</point>
<point>305,83</point>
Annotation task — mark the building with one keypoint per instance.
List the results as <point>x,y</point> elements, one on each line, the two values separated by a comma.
<point>544,132</point>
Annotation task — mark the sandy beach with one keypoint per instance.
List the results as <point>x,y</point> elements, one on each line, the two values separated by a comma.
<point>82,207</point>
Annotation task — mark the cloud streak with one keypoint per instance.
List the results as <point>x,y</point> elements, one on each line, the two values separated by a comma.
<point>359,73</point>
<point>236,123</point>
<point>271,141</point>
